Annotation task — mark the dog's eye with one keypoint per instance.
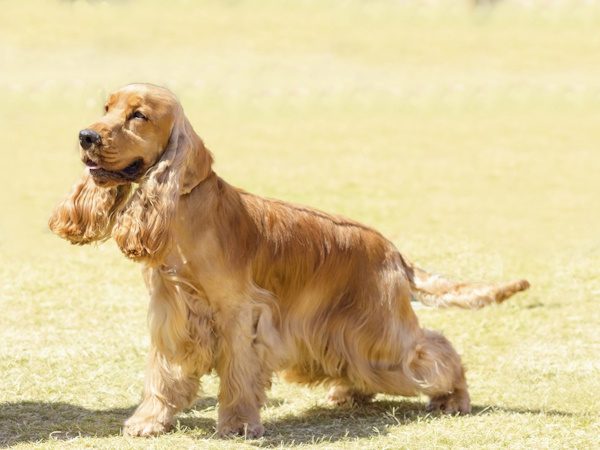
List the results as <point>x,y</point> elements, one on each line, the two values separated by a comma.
<point>138,115</point>
<point>105,108</point>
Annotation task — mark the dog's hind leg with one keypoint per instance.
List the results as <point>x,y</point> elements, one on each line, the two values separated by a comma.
<point>413,360</point>
<point>431,366</point>
<point>437,371</point>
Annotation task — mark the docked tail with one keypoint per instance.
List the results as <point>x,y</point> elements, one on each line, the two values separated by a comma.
<point>439,292</point>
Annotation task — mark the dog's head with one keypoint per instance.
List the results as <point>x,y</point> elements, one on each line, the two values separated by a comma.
<point>145,138</point>
<point>131,135</point>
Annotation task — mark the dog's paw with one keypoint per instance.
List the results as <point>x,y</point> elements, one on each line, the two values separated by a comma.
<point>145,427</point>
<point>249,431</point>
<point>457,402</point>
<point>345,397</point>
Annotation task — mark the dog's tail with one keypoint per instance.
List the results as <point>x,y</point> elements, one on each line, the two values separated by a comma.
<point>439,292</point>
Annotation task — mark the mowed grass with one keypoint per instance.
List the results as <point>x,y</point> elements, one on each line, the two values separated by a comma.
<point>469,138</point>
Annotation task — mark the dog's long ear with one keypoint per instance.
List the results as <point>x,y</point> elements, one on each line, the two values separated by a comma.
<point>143,229</point>
<point>87,214</point>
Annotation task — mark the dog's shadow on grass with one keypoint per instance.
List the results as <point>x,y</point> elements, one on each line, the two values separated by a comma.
<point>325,424</point>
<point>31,421</point>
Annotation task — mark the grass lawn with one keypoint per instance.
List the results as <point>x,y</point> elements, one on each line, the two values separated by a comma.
<point>469,138</point>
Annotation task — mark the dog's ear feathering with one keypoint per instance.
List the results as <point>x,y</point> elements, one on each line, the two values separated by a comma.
<point>143,227</point>
<point>140,223</point>
<point>87,214</point>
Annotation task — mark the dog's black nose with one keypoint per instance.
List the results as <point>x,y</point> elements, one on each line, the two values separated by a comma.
<point>88,137</point>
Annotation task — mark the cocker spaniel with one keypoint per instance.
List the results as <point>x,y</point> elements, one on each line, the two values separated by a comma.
<point>250,286</point>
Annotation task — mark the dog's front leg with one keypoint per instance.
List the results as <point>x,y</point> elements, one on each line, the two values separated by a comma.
<point>181,352</point>
<point>246,354</point>
<point>168,388</point>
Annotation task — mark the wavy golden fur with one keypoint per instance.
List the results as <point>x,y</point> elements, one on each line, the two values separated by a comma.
<point>249,286</point>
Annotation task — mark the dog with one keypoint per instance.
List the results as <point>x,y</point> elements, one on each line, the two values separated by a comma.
<point>249,286</point>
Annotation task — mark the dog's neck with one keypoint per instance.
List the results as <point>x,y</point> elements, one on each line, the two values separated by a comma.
<point>212,176</point>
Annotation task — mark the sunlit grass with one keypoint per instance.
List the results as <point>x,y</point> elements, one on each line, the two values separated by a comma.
<point>470,138</point>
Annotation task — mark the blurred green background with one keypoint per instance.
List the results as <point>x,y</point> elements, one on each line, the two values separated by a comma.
<point>467,135</point>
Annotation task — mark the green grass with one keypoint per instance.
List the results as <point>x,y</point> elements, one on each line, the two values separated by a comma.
<point>470,138</point>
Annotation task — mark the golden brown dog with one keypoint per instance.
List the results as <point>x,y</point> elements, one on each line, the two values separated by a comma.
<point>249,286</point>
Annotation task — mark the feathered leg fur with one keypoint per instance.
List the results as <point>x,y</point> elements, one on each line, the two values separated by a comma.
<point>248,353</point>
<point>181,352</point>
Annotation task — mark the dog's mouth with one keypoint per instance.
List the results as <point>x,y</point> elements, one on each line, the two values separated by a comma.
<point>129,174</point>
